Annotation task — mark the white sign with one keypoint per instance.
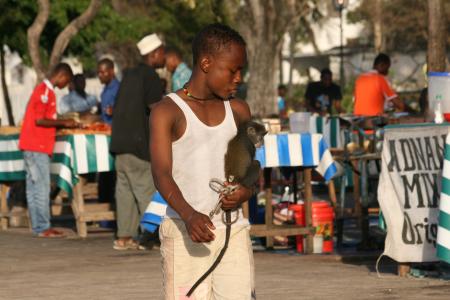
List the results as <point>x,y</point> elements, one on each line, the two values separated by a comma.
<point>409,189</point>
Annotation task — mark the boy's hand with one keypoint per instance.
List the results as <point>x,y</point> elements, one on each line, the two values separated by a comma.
<point>198,226</point>
<point>235,199</point>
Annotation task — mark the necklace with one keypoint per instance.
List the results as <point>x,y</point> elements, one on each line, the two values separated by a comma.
<point>187,93</point>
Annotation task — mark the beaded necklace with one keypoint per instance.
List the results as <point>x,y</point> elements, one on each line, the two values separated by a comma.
<point>187,93</point>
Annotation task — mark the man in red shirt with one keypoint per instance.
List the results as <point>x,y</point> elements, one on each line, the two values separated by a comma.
<point>373,91</point>
<point>37,139</point>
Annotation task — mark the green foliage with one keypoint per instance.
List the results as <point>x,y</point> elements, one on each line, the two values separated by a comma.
<point>115,29</point>
<point>16,17</point>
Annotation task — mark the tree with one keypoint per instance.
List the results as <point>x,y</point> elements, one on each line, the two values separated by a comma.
<point>63,38</point>
<point>436,55</point>
<point>263,25</point>
<point>15,14</point>
<point>407,20</point>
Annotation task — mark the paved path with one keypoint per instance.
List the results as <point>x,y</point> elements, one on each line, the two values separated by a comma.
<point>32,268</point>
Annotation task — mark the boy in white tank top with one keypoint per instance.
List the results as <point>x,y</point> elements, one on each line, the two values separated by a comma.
<point>190,131</point>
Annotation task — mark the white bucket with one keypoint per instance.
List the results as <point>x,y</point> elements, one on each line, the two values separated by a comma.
<point>317,244</point>
<point>299,122</point>
<point>438,91</point>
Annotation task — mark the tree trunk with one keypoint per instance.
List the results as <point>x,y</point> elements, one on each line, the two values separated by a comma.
<point>437,36</point>
<point>5,88</point>
<point>292,42</point>
<point>378,27</point>
<point>263,25</point>
<point>63,39</point>
<point>34,34</point>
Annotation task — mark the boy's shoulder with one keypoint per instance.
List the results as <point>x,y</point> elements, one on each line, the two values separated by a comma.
<point>240,109</point>
<point>166,107</point>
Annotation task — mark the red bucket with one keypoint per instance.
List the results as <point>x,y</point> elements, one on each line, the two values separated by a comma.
<point>322,219</point>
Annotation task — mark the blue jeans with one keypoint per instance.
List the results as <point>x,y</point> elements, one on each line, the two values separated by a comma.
<point>37,167</point>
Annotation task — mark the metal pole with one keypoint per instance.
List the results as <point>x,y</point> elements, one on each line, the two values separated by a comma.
<point>341,49</point>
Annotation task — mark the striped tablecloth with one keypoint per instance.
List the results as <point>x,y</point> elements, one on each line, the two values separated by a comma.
<point>329,127</point>
<point>297,150</point>
<point>73,155</point>
<point>11,158</point>
<point>443,234</point>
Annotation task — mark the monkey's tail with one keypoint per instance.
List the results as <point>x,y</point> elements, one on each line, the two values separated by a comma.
<point>219,257</point>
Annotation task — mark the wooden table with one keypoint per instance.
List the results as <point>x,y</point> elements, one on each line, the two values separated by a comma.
<point>293,150</point>
<point>73,155</point>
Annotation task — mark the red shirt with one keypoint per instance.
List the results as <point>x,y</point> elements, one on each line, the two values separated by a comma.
<point>371,91</point>
<point>42,105</point>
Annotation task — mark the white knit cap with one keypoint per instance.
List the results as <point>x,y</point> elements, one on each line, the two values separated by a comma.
<point>148,44</point>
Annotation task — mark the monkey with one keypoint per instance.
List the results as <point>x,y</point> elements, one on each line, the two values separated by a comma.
<point>240,164</point>
<point>241,168</point>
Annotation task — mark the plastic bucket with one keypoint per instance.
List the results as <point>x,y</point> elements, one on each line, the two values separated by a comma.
<point>439,91</point>
<point>299,122</point>
<point>322,220</point>
<point>299,220</point>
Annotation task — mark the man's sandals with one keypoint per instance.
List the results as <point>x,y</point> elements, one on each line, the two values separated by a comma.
<point>128,244</point>
<point>51,233</point>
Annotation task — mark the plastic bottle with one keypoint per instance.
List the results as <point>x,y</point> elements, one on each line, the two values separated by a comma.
<point>438,117</point>
<point>285,197</point>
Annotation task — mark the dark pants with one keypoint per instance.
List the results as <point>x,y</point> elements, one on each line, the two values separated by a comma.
<point>106,187</point>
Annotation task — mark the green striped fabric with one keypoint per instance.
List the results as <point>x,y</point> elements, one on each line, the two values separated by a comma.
<point>443,235</point>
<point>72,155</point>
<point>11,159</point>
<point>329,127</point>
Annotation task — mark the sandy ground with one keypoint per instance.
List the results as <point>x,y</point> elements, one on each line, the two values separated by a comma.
<point>72,268</point>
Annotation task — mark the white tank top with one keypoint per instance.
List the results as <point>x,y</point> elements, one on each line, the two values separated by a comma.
<point>198,156</point>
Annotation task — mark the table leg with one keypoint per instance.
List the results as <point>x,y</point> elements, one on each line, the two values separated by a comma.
<point>364,217</point>
<point>332,193</point>
<point>294,185</point>
<point>269,217</point>
<point>78,208</point>
<point>403,269</point>
<point>4,211</point>
<point>356,189</point>
<point>308,208</point>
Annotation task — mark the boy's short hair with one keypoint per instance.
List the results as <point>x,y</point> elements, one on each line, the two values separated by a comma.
<point>382,58</point>
<point>214,38</point>
<point>282,87</point>
<point>62,68</point>
<point>326,71</point>
<point>170,50</point>
<point>106,62</point>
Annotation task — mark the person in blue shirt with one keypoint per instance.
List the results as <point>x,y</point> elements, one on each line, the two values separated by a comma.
<point>77,100</point>
<point>175,65</point>
<point>281,102</point>
<point>107,76</point>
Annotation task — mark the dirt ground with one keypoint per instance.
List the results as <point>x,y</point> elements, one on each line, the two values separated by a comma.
<point>72,268</point>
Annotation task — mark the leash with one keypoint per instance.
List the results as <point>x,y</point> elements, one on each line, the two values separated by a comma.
<point>223,189</point>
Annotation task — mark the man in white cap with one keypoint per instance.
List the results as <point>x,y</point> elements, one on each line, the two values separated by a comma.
<point>139,90</point>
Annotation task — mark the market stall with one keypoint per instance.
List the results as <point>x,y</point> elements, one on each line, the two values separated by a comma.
<point>293,150</point>
<point>76,152</point>
<point>409,192</point>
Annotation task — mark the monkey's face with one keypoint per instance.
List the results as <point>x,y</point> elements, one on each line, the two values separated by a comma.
<point>256,133</point>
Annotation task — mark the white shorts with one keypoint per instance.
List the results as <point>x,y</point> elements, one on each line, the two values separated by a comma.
<point>184,262</point>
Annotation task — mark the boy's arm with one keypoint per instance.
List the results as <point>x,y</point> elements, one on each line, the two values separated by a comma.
<point>162,124</point>
<point>57,123</point>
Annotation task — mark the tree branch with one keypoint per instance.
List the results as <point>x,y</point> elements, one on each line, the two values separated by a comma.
<point>63,39</point>
<point>34,34</point>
